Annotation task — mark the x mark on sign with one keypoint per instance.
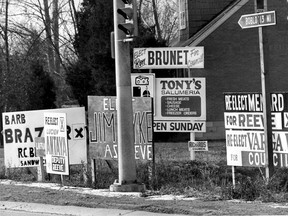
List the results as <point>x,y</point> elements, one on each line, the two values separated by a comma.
<point>78,131</point>
<point>285,119</point>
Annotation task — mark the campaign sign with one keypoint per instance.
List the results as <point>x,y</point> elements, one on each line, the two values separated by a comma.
<point>56,145</point>
<point>21,128</point>
<point>198,145</point>
<point>168,57</point>
<point>244,124</point>
<point>247,148</point>
<point>102,115</point>
<point>40,146</point>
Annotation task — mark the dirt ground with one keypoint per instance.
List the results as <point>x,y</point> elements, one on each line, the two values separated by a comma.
<point>13,191</point>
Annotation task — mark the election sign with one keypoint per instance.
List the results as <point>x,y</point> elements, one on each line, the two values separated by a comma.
<point>40,146</point>
<point>56,145</point>
<point>168,57</point>
<point>102,115</point>
<point>244,124</point>
<point>21,128</point>
<point>198,145</point>
<point>244,111</point>
<point>247,148</point>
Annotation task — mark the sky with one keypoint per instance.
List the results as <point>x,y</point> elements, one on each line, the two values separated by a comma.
<point>25,15</point>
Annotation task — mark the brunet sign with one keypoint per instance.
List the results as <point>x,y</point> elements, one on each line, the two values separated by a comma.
<point>244,124</point>
<point>168,57</point>
<point>102,114</point>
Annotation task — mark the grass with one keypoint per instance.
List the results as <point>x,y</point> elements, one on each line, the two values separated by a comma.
<point>208,177</point>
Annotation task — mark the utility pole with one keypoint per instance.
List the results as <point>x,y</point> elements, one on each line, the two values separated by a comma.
<point>123,31</point>
<point>261,6</point>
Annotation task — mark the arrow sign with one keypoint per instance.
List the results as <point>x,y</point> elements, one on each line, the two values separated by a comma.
<point>257,20</point>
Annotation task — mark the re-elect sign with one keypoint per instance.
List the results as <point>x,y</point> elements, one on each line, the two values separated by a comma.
<point>245,111</point>
<point>56,145</point>
<point>168,57</point>
<point>21,128</point>
<point>247,148</point>
<point>244,124</point>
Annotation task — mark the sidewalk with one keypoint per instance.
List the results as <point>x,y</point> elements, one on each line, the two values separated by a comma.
<point>72,210</point>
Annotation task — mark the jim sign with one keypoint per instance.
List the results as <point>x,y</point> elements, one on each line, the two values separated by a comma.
<point>103,141</point>
<point>168,57</point>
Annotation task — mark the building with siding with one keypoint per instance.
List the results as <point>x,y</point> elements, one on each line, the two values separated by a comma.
<point>232,57</point>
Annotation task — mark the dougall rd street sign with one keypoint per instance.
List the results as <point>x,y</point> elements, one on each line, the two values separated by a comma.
<point>257,20</point>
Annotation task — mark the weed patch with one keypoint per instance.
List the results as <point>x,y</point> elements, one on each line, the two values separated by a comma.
<point>209,180</point>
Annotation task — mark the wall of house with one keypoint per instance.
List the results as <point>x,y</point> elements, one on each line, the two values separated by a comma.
<point>232,62</point>
<point>200,12</point>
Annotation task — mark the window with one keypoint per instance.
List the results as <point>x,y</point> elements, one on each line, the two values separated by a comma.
<point>182,14</point>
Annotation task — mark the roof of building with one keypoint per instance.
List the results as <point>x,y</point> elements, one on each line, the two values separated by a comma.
<point>208,15</point>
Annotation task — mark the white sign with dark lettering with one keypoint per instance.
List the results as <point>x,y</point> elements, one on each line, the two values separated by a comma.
<point>168,57</point>
<point>21,129</point>
<point>56,145</point>
<point>244,124</point>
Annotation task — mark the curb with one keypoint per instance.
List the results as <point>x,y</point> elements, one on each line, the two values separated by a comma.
<point>71,210</point>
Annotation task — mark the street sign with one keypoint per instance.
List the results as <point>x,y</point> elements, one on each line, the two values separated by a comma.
<point>257,20</point>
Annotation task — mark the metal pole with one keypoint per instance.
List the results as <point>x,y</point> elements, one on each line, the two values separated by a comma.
<point>192,152</point>
<point>126,151</point>
<point>192,134</point>
<point>233,177</point>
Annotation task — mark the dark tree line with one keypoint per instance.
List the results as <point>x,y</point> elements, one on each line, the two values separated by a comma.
<point>94,72</point>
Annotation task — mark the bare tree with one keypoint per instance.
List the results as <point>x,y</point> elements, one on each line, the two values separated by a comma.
<point>53,20</point>
<point>47,23</point>
<point>160,16</point>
